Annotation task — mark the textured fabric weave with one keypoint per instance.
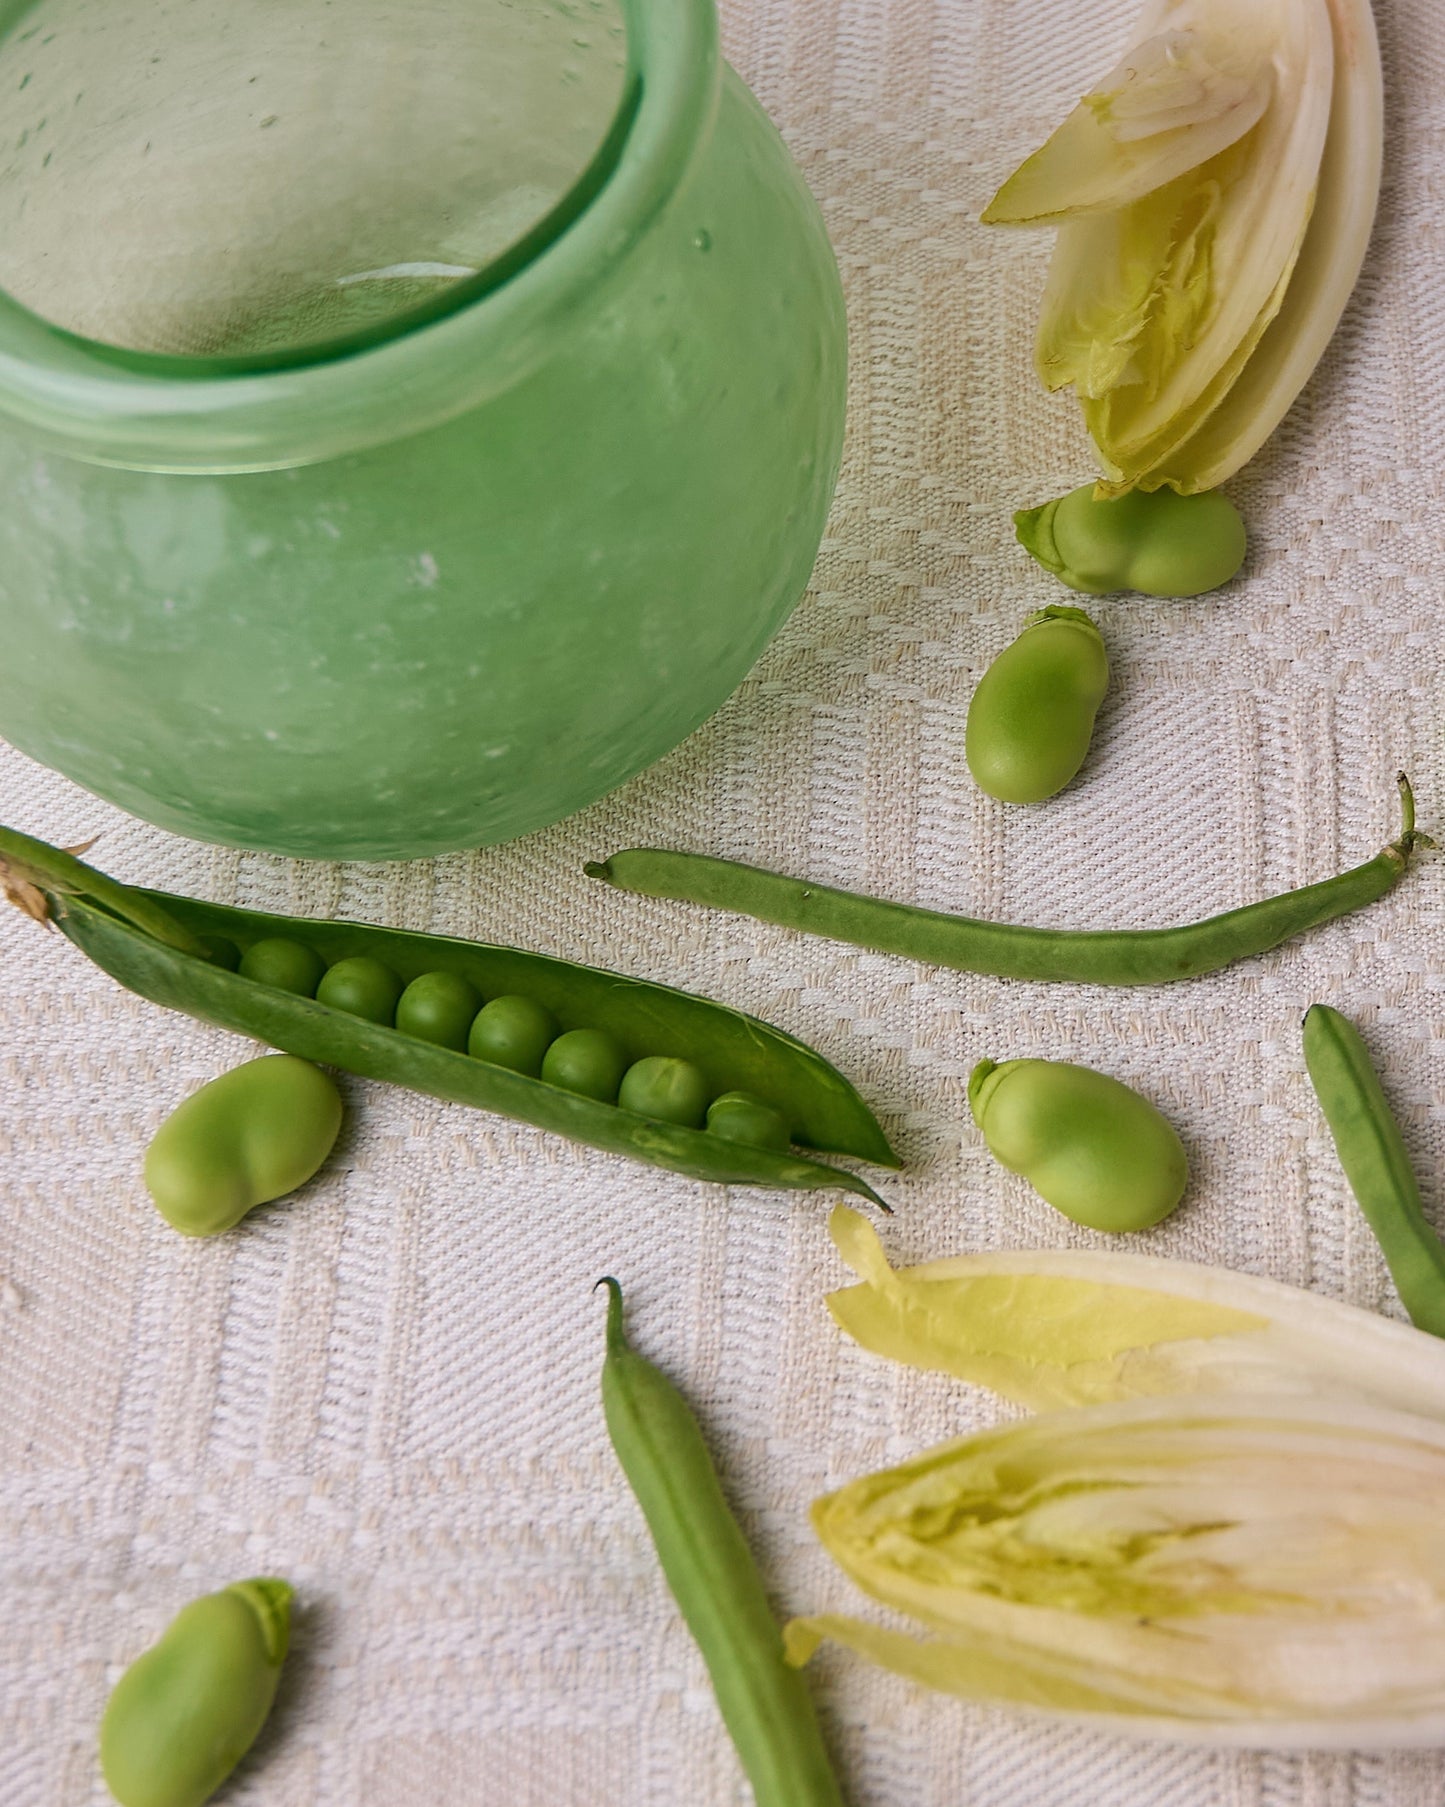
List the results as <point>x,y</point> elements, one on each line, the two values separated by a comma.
<point>387,1390</point>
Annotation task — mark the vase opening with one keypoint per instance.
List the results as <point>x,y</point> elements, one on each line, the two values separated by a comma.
<point>270,180</point>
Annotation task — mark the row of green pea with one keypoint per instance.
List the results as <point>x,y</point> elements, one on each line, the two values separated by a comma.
<point>509,1031</point>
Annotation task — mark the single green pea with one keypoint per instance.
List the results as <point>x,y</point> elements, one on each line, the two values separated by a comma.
<point>1157,541</point>
<point>188,1709</point>
<point>285,965</point>
<point>220,952</point>
<point>513,1032</point>
<point>739,1117</point>
<point>255,1134</point>
<point>362,986</point>
<point>439,1007</point>
<point>1088,1144</point>
<point>1032,716</point>
<point>589,1061</point>
<point>674,1091</point>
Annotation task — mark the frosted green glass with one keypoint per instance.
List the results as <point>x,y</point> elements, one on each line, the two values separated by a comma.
<point>397,520</point>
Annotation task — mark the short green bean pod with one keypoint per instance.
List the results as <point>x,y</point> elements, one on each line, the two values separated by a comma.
<point>1089,1145</point>
<point>158,946</point>
<point>253,1135</point>
<point>1156,541</point>
<point>188,1709</point>
<point>705,1558</point>
<point>1032,715</point>
<point>1377,1165</point>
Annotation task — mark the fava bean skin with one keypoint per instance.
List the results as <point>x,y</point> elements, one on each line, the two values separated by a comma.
<point>439,1008</point>
<point>513,1032</point>
<point>1156,542</point>
<point>188,1709</point>
<point>673,1091</point>
<point>707,1564</point>
<point>255,1134</point>
<point>739,1117</point>
<point>363,987</point>
<point>287,965</point>
<point>1089,1145</point>
<point>1377,1166</point>
<point>589,1061</point>
<point>1032,715</point>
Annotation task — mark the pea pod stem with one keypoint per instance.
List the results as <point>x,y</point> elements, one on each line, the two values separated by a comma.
<point>1008,951</point>
<point>1376,1163</point>
<point>705,1558</point>
<point>120,928</point>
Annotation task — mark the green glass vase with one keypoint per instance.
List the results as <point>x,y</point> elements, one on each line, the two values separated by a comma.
<point>414,418</point>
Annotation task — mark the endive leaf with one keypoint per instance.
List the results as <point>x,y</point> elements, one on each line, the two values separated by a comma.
<point>1255,1571</point>
<point>1172,102</point>
<point>1227,435</point>
<point>1048,1328</point>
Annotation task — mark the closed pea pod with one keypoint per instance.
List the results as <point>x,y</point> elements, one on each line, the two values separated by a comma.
<point>1377,1166</point>
<point>156,945</point>
<point>1089,1145</point>
<point>188,1709</point>
<point>1032,716</point>
<point>253,1135</point>
<point>1156,542</point>
<point>1012,950</point>
<point>705,1558</point>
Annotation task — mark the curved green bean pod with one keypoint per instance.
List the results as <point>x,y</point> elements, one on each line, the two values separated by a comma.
<point>114,925</point>
<point>1372,1153</point>
<point>765,1704</point>
<point>1077,956</point>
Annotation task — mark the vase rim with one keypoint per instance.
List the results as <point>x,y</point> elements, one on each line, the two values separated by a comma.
<point>164,412</point>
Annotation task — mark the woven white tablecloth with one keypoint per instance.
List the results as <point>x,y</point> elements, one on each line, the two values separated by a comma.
<point>387,1390</point>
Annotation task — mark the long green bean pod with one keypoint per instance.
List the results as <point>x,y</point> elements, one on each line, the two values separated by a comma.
<point>1372,1153</point>
<point>1005,950</point>
<point>765,1704</point>
<point>163,947</point>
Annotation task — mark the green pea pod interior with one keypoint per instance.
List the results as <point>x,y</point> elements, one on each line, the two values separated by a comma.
<point>733,1050</point>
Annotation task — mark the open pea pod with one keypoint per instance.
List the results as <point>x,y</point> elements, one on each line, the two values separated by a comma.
<point>153,944</point>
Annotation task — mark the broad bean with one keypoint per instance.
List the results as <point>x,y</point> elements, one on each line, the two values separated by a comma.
<point>1032,715</point>
<point>1156,541</point>
<point>1089,1145</point>
<point>188,1709</point>
<point>253,1135</point>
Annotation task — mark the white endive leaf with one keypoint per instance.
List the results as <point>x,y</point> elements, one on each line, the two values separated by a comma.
<point>1048,1328</point>
<point>1322,279</point>
<point>1250,1571</point>
<point>1172,102</point>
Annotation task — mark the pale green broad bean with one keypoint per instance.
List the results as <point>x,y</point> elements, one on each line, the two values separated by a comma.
<point>255,1134</point>
<point>1032,716</point>
<point>188,1709</point>
<point>1157,541</point>
<point>1088,1144</point>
